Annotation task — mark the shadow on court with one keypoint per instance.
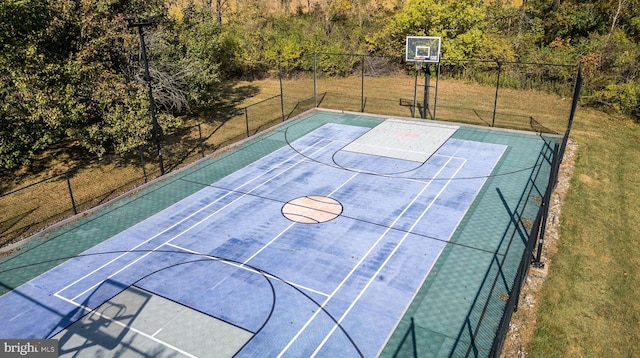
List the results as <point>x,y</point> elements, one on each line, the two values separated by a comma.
<point>107,328</point>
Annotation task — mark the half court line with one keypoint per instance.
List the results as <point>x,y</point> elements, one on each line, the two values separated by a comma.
<point>293,224</point>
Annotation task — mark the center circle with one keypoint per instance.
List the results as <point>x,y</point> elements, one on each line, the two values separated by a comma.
<point>312,209</point>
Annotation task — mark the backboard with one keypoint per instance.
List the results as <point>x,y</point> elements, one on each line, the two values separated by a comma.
<point>423,49</point>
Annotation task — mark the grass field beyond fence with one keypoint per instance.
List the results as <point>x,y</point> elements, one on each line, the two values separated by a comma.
<point>590,304</point>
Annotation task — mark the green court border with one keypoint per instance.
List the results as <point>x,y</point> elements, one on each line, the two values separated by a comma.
<point>500,215</point>
<point>418,331</point>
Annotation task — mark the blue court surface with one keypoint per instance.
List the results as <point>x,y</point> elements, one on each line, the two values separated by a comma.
<point>316,249</point>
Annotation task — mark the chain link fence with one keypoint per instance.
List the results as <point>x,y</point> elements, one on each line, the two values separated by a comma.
<point>487,322</point>
<point>483,93</point>
<point>29,209</point>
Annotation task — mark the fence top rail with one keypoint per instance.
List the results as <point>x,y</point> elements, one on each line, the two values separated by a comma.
<point>358,55</point>
<point>67,172</point>
<point>31,185</point>
<point>567,65</point>
<point>452,61</point>
<point>261,101</point>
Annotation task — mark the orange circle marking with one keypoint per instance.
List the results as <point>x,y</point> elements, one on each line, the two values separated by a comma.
<point>312,209</point>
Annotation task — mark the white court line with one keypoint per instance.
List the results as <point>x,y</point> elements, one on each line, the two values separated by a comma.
<point>58,293</point>
<point>269,243</point>
<point>245,267</point>
<point>359,263</point>
<point>168,322</point>
<point>449,156</point>
<point>128,327</point>
<point>391,149</point>
<point>384,263</point>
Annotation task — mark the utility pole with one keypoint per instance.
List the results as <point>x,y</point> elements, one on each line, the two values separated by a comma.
<point>147,78</point>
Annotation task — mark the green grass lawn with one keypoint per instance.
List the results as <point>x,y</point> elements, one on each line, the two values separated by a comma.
<point>590,304</point>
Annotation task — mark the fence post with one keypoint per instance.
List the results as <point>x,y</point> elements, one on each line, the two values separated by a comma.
<point>144,170</point>
<point>574,105</point>
<point>281,96</point>
<point>514,295</point>
<point>576,95</point>
<point>495,102</point>
<point>415,93</point>
<point>73,201</point>
<point>362,84</point>
<point>555,164</point>
<point>435,96</point>
<point>315,88</point>
<point>425,95</point>
<point>246,119</point>
<point>201,141</point>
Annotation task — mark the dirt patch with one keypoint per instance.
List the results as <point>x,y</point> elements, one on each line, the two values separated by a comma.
<point>523,322</point>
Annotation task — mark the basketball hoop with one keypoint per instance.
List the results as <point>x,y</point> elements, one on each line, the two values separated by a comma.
<point>423,49</point>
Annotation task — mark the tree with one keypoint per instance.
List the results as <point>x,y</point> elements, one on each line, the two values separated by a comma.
<point>65,80</point>
<point>114,113</point>
<point>600,35</point>
<point>32,98</point>
<point>203,53</point>
<point>459,23</point>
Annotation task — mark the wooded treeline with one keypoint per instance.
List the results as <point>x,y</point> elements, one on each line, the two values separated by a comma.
<point>71,71</point>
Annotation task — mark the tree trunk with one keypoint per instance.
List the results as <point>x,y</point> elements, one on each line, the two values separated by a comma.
<point>615,18</point>
<point>219,4</point>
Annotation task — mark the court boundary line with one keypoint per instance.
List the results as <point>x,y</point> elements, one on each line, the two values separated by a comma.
<point>270,169</point>
<point>214,157</point>
<point>168,243</point>
<point>396,175</point>
<point>495,253</point>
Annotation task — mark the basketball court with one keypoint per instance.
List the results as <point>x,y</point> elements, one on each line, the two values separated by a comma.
<point>320,238</point>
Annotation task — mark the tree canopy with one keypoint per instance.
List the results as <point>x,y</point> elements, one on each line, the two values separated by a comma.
<point>70,70</point>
